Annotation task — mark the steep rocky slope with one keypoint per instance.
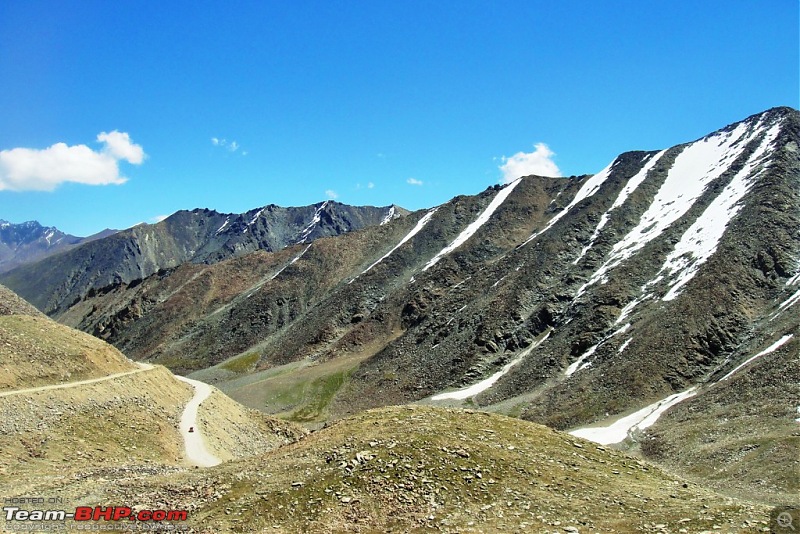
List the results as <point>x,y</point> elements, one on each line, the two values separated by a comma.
<point>198,236</point>
<point>572,302</point>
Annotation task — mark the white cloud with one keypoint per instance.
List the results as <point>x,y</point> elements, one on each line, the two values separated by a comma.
<point>370,185</point>
<point>331,194</point>
<point>231,146</point>
<point>119,145</point>
<point>158,218</point>
<point>29,169</point>
<point>414,181</point>
<point>538,162</point>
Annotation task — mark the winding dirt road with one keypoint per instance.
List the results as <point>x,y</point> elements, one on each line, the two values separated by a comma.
<point>142,367</point>
<point>196,450</point>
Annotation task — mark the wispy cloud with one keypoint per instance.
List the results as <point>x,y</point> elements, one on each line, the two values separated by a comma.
<point>414,181</point>
<point>370,185</point>
<point>30,169</point>
<point>331,194</point>
<point>538,162</point>
<point>231,146</point>
<point>158,218</point>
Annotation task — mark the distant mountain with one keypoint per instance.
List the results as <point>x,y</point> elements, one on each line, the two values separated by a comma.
<point>670,279</point>
<point>198,236</point>
<point>28,242</point>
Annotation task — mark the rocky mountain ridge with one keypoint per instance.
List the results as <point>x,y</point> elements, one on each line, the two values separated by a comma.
<point>197,236</point>
<point>29,242</point>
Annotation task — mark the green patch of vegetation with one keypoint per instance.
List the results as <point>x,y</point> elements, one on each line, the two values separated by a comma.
<point>318,394</point>
<point>176,363</point>
<point>243,363</point>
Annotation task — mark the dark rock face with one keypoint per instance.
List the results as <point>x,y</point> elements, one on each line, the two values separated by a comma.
<point>609,292</point>
<point>198,236</point>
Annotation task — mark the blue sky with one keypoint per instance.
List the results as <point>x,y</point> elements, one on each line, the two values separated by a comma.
<point>370,102</point>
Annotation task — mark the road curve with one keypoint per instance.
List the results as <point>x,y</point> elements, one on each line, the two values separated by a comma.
<point>196,450</point>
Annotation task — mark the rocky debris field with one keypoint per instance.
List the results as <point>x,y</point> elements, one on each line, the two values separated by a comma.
<point>430,469</point>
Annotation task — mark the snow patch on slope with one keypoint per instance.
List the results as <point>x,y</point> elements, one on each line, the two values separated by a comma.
<point>589,188</point>
<point>772,348</point>
<point>699,164</point>
<point>314,221</point>
<point>414,231</point>
<point>390,215</point>
<point>629,188</point>
<point>578,364</point>
<point>291,262</point>
<point>483,385</point>
<point>626,426</point>
<point>256,216</point>
<point>221,228</point>
<point>470,230</point>
<point>700,241</point>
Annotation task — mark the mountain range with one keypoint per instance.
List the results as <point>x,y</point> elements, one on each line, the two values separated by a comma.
<point>197,236</point>
<point>29,242</point>
<point>667,283</point>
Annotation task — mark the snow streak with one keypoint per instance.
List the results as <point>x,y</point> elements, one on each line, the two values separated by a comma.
<point>256,216</point>
<point>414,231</point>
<point>694,169</point>
<point>629,188</point>
<point>576,365</point>
<point>471,391</point>
<point>291,262</point>
<point>772,348</point>
<point>221,228</point>
<point>700,241</point>
<point>470,230</point>
<point>389,216</point>
<point>589,188</point>
<point>314,220</point>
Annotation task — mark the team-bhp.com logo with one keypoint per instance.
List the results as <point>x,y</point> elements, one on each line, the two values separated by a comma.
<point>96,513</point>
